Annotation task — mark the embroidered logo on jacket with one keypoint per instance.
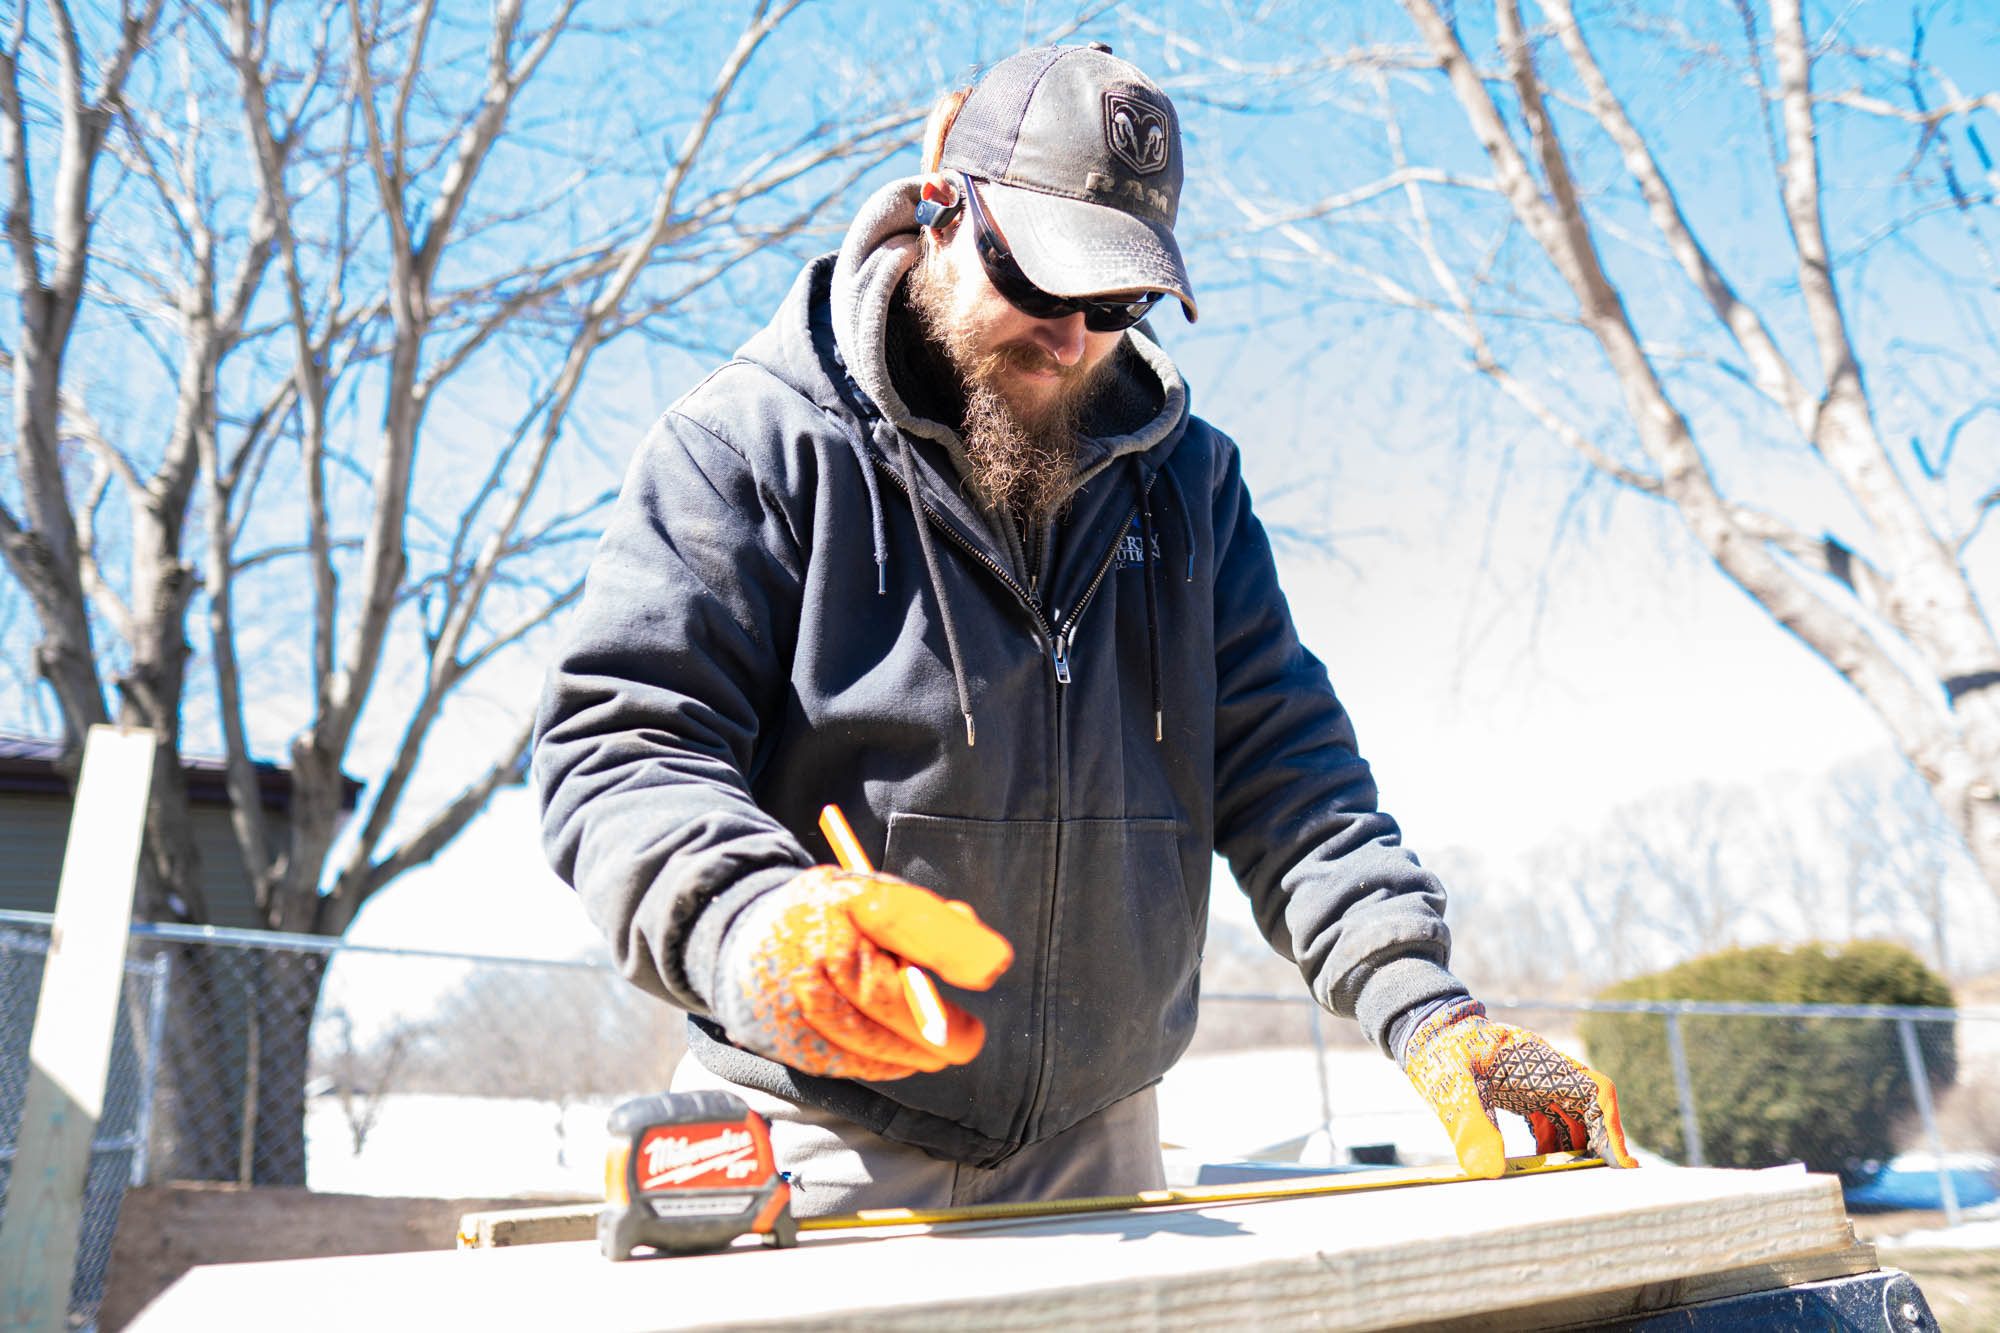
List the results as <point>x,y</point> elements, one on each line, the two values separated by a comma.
<point>1132,548</point>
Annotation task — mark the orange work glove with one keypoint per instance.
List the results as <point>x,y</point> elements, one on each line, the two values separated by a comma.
<point>1465,1065</point>
<point>811,975</point>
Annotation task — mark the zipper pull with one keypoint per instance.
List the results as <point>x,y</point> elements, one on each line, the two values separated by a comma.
<point>1059,650</point>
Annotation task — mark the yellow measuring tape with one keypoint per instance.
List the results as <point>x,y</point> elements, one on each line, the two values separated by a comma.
<point>1345,1182</point>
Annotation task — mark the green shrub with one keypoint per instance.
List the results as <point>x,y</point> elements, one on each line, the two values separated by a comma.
<point>1824,1091</point>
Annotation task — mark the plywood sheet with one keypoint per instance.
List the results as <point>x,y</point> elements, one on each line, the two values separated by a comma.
<point>1365,1261</point>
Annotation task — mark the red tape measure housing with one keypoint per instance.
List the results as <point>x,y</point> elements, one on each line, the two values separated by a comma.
<point>701,1157</point>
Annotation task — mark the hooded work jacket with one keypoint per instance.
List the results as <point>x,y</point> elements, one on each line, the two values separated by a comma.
<point>799,601</point>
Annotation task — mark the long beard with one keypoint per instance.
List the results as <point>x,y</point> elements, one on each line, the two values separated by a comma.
<point>1025,464</point>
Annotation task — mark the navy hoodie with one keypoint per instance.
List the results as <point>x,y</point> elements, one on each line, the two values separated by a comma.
<point>799,600</point>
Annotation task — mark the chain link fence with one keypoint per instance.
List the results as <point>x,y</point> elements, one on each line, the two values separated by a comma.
<point>1902,1103</point>
<point>119,1150</point>
<point>298,1061</point>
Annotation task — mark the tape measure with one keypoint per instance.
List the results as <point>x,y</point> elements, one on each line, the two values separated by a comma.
<point>690,1172</point>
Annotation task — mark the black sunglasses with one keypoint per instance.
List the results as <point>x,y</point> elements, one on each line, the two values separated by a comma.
<point>1030,300</point>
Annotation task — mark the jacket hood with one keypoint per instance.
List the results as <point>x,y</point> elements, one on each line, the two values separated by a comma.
<point>813,349</point>
<point>831,341</point>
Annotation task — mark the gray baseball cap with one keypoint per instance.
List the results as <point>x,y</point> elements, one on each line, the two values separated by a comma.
<point>1081,155</point>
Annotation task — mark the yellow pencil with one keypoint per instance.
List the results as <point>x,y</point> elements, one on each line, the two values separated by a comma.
<point>918,988</point>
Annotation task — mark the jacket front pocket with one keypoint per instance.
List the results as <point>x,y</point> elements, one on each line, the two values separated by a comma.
<point>1003,869</point>
<point>1125,966</point>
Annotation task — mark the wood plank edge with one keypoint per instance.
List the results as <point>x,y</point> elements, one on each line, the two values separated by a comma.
<point>528,1226</point>
<point>1583,1312</point>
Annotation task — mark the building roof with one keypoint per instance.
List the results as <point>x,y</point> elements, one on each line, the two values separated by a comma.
<point>31,764</point>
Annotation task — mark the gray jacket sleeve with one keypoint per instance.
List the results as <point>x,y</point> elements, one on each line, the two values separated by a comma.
<point>1329,881</point>
<point>648,726</point>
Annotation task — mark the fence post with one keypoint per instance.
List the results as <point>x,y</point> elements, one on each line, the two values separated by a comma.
<point>149,1070</point>
<point>253,1041</point>
<point>1684,1087</point>
<point>1920,1084</point>
<point>69,1050</point>
<point>1325,1097</point>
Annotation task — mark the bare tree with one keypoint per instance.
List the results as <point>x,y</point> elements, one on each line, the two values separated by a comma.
<point>553,1032</point>
<point>1514,939</point>
<point>1861,854</point>
<point>58,101</point>
<point>425,319</point>
<point>1810,427</point>
<point>1607,902</point>
<point>1898,856</point>
<point>1695,849</point>
<point>344,272</point>
<point>362,1077</point>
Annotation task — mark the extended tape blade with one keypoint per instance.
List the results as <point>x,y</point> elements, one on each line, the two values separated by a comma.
<point>1343,1182</point>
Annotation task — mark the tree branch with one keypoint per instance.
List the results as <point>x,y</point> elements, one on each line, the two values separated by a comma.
<point>94,583</point>
<point>437,832</point>
<point>503,83</point>
<point>1770,371</point>
<point>1926,118</point>
<point>1823,555</point>
<point>590,331</point>
<point>1401,178</point>
<point>14,142</point>
<point>1912,709</point>
<point>388,173</point>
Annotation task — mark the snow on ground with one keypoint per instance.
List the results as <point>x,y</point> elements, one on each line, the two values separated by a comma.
<point>434,1146</point>
<point>1978,1229</point>
<point>1215,1108</point>
<point>1224,1107</point>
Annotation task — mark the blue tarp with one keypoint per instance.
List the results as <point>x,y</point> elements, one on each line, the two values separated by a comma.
<point>1905,1183</point>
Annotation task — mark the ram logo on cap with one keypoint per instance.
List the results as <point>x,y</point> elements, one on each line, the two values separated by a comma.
<point>1136,133</point>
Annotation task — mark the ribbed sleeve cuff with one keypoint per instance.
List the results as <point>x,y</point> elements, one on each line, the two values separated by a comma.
<point>702,956</point>
<point>1398,995</point>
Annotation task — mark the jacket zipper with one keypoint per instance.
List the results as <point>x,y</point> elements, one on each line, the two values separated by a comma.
<point>998,570</point>
<point>1067,634</point>
<point>1059,645</point>
<point>1059,641</point>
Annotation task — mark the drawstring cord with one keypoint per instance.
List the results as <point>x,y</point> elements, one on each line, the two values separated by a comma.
<point>1187,518</point>
<point>874,517</point>
<point>925,540</point>
<point>1152,600</point>
<point>1148,545</point>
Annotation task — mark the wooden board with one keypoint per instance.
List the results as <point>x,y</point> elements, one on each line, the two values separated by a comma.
<point>69,1052</point>
<point>497,1227</point>
<point>164,1230</point>
<point>1594,1308</point>
<point>1393,1259</point>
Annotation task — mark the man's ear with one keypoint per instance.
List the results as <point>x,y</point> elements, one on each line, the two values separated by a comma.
<point>939,205</point>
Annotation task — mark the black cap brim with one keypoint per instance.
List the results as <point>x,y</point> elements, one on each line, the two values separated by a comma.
<point>1071,247</point>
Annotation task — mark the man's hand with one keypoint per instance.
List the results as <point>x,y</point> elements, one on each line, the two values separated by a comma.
<point>812,975</point>
<point>1465,1065</point>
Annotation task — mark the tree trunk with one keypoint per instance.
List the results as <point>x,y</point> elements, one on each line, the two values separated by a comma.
<point>234,1065</point>
<point>1966,793</point>
<point>198,1103</point>
<point>289,996</point>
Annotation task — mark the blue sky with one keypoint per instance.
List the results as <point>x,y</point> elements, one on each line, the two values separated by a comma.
<point>1523,650</point>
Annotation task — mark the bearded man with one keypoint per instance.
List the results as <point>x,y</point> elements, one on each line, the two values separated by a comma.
<point>943,545</point>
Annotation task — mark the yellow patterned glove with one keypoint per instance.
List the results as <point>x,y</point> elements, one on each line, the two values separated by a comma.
<point>1465,1065</point>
